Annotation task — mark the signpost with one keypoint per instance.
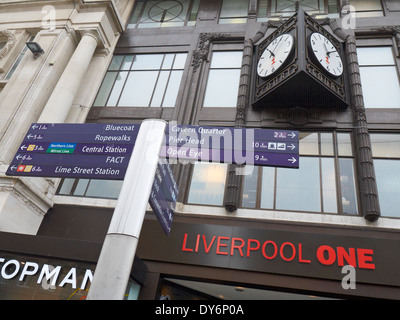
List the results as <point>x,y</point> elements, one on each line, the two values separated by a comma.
<point>106,151</point>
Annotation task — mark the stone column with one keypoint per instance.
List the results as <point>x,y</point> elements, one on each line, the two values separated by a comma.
<point>60,101</point>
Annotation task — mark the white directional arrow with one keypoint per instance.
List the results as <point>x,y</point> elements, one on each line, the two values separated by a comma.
<point>292,135</point>
<point>292,160</point>
<point>292,146</point>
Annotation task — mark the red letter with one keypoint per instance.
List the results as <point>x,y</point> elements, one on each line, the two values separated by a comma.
<point>207,249</point>
<point>293,250</point>
<point>250,248</point>
<point>350,258</point>
<point>197,243</point>
<point>239,247</point>
<point>363,260</point>
<point>184,244</point>
<point>301,255</point>
<point>331,255</point>
<point>265,254</point>
<point>219,244</point>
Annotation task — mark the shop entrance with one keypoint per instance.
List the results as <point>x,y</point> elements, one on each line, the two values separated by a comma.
<point>189,289</point>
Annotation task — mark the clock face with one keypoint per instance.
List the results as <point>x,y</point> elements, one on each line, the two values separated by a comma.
<point>326,54</point>
<point>275,55</point>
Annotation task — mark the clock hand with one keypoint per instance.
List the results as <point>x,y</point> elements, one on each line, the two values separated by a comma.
<point>272,54</point>
<point>277,44</point>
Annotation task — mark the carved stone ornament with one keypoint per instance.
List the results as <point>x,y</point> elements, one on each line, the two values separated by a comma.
<point>11,40</point>
<point>201,53</point>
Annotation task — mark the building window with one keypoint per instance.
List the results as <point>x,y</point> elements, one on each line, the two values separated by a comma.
<point>145,80</point>
<point>223,79</point>
<point>386,153</point>
<point>367,8</point>
<point>234,11</point>
<point>277,8</point>
<point>324,182</point>
<point>379,77</point>
<point>107,189</point>
<point>164,13</point>
<point>208,184</point>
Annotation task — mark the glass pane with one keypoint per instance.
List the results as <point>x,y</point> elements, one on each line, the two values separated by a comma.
<point>287,6</point>
<point>164,13</point>
<point>119,83</point>
<point>160,89</point>
<point>222,88</point>
<point>299,189</point>
<point>388,90</point>
<point>234,8</point>
<point>168,59</point>
<point>370,56</point>
<point>344,144</point>
<point>66,186</point>
<point>138,89</point>
<point>327,144</point>
<point>388,183</point>
<point>329,185</point>
<point>208,183</point>
<point>180,60</point>
<point>147,62</point>
<point>347,186</point>
<point>136,14</point>
<point>366,5</point>
<point>385,145</point>
<point>127,63</point>
<point>173,89</point>
<point>249,194</point>
<point>308,143</point>
<point>267,188</point>
<point>104,189</point>
<point>105,89</point>
<point>226,59</point>
<point>262,10</point>
<point>116,63</point>
<point>81,187</point>
<point>193,14</point>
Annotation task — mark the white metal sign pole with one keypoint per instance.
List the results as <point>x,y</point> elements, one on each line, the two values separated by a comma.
<point>116,258</point>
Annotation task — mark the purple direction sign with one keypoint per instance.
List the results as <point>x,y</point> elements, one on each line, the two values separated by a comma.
<point>163,195</point>
<point>76,148</point>
<point>265,147</point>
<point>231,156</point>
<point>93,151</point>
<point>254,134</point>
<point>83,128</point>
<point>71,159</point>
<point>67,171</point>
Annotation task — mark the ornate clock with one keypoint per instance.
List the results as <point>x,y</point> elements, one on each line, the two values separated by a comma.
<point>300,64</point>
<point>326,54</point>
<point>275,55</point>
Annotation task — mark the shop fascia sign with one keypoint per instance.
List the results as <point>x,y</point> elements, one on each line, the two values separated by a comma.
<point>46,272</point>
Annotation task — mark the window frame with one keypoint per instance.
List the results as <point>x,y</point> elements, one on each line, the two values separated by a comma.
<point>387,158</point>
<point>218,47</point>
<point>136,25</point>
<point>362,42</point>
<point>233,19</point>
<point>270,4</point>
<point>153,90</point>
<point>336,158</point>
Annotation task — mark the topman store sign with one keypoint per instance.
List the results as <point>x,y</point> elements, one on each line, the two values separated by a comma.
<point>46,274</point>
